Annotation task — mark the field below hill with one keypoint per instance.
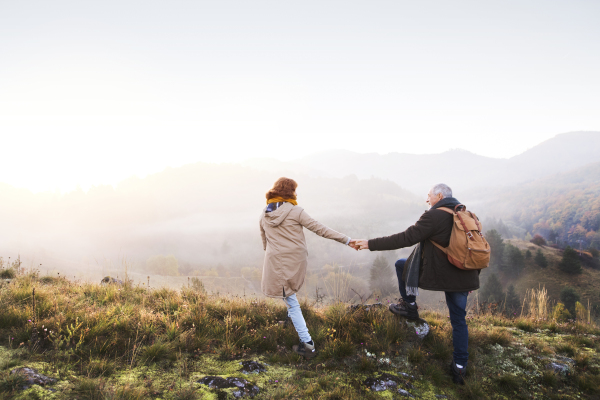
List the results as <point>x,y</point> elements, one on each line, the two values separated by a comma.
<point>128,342</point>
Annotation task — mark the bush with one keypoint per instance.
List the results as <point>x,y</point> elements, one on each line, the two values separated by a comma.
<point>594,252</point>
<point>8,273</point>
<point>569,297</point>
<point>560,313</point>
<point>570,262</point>
<point>538,240</point>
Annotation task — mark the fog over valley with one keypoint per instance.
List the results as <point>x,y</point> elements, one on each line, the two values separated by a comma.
<point>201,220</point>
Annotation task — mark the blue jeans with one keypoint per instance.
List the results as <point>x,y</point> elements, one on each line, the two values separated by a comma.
<point>295,313</point>
<point>457,305</point>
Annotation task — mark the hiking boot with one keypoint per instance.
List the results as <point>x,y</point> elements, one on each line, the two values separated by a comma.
<point>307,350</point>
<point>458,374</point>
<point>405,309</point>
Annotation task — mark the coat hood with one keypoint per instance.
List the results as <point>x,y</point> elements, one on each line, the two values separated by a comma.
<point>275,218</point>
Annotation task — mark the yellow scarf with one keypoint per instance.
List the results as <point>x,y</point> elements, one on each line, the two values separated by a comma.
<point>280,199</point>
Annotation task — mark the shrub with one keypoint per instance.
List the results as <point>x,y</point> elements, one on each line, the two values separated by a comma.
<point>198,285</point>
<point>157,352</point>
<point>580,312</point>
<point>569,297</point>
<point>8,273</point>
<point>538,240</point>
<point>570,262</point>
<point>560,313</point>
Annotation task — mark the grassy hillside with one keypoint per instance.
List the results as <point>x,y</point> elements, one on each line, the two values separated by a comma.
<point>587,284</point>
<point>564,208</point>
<point>125,342</point>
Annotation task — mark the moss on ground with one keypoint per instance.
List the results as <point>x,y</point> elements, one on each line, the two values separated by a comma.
<point>111,342</point>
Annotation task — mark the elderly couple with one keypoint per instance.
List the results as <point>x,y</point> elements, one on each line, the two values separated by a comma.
<point>284,269</point>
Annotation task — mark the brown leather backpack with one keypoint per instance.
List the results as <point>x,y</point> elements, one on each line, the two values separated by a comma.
<point>468,249</point>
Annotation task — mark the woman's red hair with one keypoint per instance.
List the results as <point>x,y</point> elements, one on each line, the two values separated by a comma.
<point>283,187</point>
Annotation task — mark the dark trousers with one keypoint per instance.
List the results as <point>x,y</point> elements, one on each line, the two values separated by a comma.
<point>457,306</point>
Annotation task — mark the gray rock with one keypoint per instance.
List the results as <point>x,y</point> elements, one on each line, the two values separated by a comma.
<point>245,387</point>
<point>384,382</point>
<point>441,396</point>
<point>404,393</point>
<point>32,377</point>
<point>565,359</point>
<point>559,368</point>
<point>109,280</point>
<point>252,367</point>
<point>420,326</point>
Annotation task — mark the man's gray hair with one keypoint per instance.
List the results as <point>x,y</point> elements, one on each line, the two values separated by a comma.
<point>443,189</point>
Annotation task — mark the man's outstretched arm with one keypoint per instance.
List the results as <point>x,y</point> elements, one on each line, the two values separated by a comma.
<point>421,230</point>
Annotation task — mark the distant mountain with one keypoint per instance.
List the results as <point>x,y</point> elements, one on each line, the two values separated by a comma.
<point>460,169</point>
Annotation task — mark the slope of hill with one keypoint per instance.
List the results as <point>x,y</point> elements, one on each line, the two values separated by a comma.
<point>460,169</point>
<point>564,207</point>
<point>552,278</point>
<point>127,342</point>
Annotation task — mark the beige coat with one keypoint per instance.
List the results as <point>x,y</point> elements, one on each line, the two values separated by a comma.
<point>286,254</point>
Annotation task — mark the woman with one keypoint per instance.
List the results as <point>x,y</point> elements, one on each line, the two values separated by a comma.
<point>286,255</point>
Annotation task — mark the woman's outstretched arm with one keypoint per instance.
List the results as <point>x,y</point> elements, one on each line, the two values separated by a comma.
<point>320,229</point>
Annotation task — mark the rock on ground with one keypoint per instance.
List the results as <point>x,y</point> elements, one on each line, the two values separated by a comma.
<point>32,377</point>
<point>252,367</point>
<point>217,382</point>
<point>420,326</point>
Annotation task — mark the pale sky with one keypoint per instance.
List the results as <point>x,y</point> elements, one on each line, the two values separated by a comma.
<point>94,92</point>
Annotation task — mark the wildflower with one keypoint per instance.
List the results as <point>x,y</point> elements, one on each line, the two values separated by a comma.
<point>28,320</point>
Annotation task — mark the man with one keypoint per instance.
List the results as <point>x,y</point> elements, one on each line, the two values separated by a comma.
<point>433,270</point>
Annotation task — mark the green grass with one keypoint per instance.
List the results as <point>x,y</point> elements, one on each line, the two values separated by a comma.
<point>111,342</point>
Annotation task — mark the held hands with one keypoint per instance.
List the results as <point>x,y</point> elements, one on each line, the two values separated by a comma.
<point>359,244</point>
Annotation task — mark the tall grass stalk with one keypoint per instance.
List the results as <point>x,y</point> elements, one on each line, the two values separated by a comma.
<point>536,304</point>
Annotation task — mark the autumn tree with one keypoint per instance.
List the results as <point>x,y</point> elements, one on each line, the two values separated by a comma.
<point>570,262</point>
<point>538,240</point>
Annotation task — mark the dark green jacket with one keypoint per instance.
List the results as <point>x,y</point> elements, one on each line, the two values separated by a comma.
<point>436,272</point>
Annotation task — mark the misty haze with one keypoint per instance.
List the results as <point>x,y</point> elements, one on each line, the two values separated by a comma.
<point>310,200</point>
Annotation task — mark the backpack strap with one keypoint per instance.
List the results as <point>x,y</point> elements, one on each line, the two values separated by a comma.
<point>444,249</point>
